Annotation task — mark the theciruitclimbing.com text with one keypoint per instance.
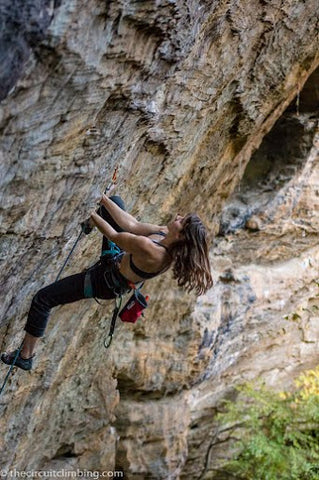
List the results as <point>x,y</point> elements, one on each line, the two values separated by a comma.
<point>14,473</point>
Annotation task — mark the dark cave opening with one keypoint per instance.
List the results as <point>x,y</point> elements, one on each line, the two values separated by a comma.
<point>281,155</point>
<point>65,451</point>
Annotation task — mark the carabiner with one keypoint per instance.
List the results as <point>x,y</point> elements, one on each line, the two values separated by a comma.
<point>108,341</point>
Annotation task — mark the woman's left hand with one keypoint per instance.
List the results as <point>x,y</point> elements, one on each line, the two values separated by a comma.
<point>93,215</point>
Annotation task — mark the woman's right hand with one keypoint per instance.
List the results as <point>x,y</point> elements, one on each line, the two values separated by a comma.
<point>104,199</point>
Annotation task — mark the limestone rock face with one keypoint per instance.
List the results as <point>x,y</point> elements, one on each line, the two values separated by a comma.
<point>205,106</point>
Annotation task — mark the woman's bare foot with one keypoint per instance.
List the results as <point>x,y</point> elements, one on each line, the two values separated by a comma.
<point>29,343</point>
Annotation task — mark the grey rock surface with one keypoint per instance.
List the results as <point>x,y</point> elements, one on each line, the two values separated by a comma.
<point>194,101</point>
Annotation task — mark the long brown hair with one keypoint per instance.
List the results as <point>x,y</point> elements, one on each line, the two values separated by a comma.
<point>190,259</point>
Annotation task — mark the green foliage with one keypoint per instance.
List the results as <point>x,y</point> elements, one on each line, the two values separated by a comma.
<point>276,434</point>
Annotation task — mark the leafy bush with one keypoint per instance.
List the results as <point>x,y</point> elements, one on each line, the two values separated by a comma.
<point>276,434</point>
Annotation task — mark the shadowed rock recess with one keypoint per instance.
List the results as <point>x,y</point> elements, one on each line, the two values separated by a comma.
<point>205,105</point>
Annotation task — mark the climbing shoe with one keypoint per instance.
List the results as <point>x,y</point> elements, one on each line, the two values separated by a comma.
<point>24,363</point>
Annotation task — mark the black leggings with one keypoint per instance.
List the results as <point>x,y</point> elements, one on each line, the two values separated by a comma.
<point>69,289</point>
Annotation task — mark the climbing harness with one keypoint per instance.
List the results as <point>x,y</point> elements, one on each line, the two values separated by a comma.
<point>84,226</point>
<point>112,251</point>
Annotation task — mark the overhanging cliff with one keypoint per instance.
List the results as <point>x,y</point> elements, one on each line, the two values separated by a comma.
<point>198,103</point>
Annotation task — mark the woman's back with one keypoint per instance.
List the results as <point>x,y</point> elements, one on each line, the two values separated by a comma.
<point>146,264</point>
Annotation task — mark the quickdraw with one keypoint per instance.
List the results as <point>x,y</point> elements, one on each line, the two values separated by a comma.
<point>109,338</point>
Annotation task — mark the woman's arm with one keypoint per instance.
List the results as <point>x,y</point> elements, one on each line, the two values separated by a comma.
<point>127,221</point>
<point>127,241</point>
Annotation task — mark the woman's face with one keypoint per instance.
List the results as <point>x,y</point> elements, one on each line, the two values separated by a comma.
<point>176,224</point>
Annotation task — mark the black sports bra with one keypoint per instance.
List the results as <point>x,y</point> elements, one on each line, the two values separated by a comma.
<point>141,273</point>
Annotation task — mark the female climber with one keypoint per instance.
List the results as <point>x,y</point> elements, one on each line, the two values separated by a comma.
<point>132,252</point>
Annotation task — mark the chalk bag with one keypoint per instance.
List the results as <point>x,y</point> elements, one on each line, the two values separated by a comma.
<point>134,307</point>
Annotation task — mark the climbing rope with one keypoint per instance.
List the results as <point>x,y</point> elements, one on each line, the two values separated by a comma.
<point>11,367</point>
<point>108,187</point>
<point>68,257</point>
<point>84,225</point>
